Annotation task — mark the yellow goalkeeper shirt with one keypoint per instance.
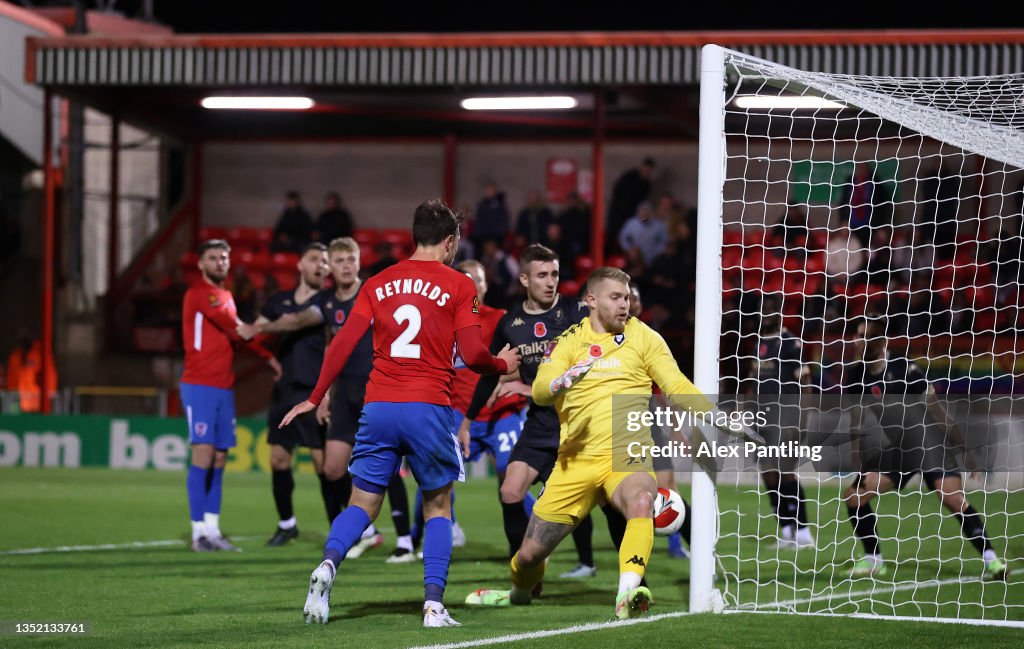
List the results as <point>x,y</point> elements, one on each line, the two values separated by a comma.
<point>625,367</point>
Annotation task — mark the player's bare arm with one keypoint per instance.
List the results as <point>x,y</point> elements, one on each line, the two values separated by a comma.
<point>953,432</point>
<point>323,411</point>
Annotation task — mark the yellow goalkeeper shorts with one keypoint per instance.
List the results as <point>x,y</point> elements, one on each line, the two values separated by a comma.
<point>577,483</point>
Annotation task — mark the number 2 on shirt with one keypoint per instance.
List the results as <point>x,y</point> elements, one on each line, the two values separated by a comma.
<point>403,347</point>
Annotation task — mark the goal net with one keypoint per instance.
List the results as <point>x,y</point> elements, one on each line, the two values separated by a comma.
<point>863,238</point>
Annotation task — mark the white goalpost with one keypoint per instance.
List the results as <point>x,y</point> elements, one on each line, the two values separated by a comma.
<point>860,214</point>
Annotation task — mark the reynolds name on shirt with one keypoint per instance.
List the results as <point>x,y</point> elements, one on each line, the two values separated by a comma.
<point>413,286</point>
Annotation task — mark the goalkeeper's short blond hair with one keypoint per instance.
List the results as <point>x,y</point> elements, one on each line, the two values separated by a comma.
<point>606,272</point>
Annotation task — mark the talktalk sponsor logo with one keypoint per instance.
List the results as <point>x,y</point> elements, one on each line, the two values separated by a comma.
<point>533,349</point>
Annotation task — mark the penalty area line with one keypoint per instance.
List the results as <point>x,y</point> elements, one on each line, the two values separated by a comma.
<point>131,545</point>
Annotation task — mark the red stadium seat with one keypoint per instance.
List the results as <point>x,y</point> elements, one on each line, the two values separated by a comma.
<point>569,288</point>
<point>793,322</point>
<point>772,282</point>
<point>242,259</point>
<point>251,238</point>
<point>818,239</point>
<point>616,261</point>
<point>396,235</point>
<point>732,257</point>
<point>258,280</point>
<point>815,263</point>
<point>985,321</point>
<point>732,237</point>
<point>207,233</point>
<point>284,261</point>
<point>366,236</point>
<point>368,257</point>
<point>260,262</point>
<point>188,262</point>
<point>584,265</point>
<point>286,280</point>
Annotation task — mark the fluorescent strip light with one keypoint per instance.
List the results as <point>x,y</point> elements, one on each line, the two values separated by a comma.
<point>519,103</point>
<point>781,102</point>
<point>257,103</point>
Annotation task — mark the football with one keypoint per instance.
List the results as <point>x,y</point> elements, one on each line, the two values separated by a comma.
<point>669,512</point>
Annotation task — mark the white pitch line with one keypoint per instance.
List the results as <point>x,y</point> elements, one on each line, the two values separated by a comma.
<point>132,545</point>
<point>761,609</point>
<point>531,635</point>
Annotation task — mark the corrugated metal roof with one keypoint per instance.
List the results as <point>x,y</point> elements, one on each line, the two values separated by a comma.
<point>514,65</point>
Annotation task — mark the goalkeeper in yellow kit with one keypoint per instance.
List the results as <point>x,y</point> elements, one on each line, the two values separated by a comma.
<point>608,353</point>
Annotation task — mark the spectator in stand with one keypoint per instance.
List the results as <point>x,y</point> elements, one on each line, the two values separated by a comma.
<point>845,257</point>
<point>922,256</point>
<point>792,229</point>
<point>294,229</point>
<point>666,209</point>
<point>670,286</point>
<point>575,222</point>
<point>644,236</point>
<point>893,262</point>
<point>25,373</point>
<point>492,219</point>
<point>502,274</point>
<point>880,262</point>
<point>334,221</point>
<point>1007,250</point>
<point>940,200</point>
<point>246,295</point>
<point>466,248</point>
<point>533,221</point>
<point>858,203</point>
<point>385,259</point>
<point>554,238</point>
<point>630,190</point>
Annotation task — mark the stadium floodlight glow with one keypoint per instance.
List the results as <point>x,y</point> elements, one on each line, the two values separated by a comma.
<point>257,103</point>
<point>769,102</point>
<point>519,103</point>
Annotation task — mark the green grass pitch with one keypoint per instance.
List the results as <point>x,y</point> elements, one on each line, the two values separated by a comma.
<point>165,596</point>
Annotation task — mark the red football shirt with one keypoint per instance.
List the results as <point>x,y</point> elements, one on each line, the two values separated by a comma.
<point>416,307</point>
<point>466,379</point>
<point>208,326</point>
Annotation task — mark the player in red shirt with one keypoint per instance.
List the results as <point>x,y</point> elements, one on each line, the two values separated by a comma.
<point>209,320</point>
<point>420,308</point>
<point>496,428</point>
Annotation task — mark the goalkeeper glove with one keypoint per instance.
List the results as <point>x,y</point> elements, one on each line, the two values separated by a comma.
<point>571,376</point>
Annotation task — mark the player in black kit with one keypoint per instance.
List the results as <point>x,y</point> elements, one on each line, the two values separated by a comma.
<point>912,445</point>
<point>779,376</point>
<point>530,326</point>
<point>296,317</point>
